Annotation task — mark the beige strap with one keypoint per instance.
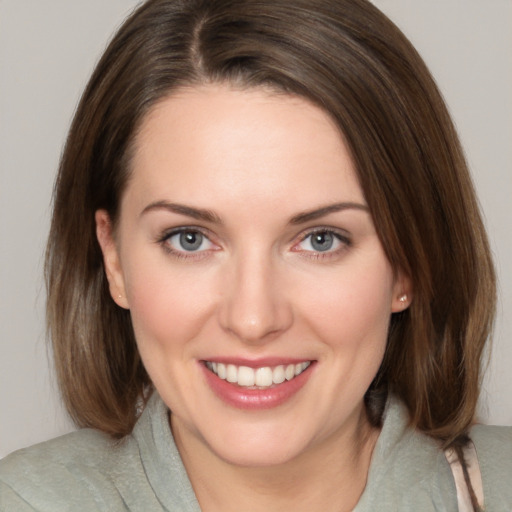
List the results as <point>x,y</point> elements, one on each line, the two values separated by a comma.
<point>463,496</point>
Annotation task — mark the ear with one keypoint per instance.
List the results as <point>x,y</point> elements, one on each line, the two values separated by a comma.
<point>111,260</point>
<point>402,293</point>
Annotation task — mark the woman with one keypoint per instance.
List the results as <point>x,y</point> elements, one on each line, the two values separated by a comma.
<point>264,224</point>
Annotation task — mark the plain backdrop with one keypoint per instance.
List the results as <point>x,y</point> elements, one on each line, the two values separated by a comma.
<point>47,51</point>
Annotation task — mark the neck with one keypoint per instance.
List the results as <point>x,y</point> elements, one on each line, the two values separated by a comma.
<point>330,476</point>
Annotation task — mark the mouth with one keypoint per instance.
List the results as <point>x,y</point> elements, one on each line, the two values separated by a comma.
<point>257,378</point>
<point>255,386</point>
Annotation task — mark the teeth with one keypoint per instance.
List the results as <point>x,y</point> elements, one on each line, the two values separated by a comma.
<point>221,371</point>
<point>231,373</point>
<point>289,372</point>
<point>261,377</point>
<point>278,375</point>
<point>246,376</point>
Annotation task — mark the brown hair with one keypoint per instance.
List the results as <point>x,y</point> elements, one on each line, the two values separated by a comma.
<point>349,59</point>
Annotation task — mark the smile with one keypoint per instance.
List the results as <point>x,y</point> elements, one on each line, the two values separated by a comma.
<point>256,378</point>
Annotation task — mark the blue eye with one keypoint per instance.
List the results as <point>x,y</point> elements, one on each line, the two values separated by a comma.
<point>322,241</point>
<point>188,240</point>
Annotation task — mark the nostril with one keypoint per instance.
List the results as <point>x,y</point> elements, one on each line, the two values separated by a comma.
<point>254,308</point>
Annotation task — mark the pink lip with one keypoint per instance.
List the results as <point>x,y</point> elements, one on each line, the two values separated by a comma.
<point>256,399</point>
<point>256,363</point>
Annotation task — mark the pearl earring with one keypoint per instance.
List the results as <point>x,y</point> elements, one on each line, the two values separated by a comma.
<point>403,299</point>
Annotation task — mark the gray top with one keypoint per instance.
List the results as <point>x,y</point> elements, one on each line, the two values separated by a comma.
<point>88,471</point>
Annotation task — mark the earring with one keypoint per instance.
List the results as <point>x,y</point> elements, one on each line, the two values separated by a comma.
<point>403,299</point>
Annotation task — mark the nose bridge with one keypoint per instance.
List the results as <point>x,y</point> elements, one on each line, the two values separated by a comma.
<point>254,306</point>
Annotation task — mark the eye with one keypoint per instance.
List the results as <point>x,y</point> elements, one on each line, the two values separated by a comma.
<point>322,241</point>
<point>188,240</point>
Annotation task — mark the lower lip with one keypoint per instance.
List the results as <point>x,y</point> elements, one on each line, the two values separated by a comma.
<point>254,399</point>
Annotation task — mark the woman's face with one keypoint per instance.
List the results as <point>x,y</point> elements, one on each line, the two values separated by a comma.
<point>259,292</point>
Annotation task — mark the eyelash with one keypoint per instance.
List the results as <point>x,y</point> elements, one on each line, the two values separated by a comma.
<point>342,237</point>
<point>339,236</point>
<point>164,238</point>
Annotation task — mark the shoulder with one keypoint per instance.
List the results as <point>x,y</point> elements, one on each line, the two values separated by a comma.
<point>89,471</point>
<point>68,473</point>
<point>408,470</point>
<point>61,450</point>
<point>494,451</point>
<point>495,441</point>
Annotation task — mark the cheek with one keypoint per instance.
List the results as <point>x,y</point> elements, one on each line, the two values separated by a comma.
<point>167,306</point>
<point>350,313</point>
<point>356,300</point>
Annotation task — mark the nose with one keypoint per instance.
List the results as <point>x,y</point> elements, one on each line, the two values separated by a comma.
<point>254,307</point>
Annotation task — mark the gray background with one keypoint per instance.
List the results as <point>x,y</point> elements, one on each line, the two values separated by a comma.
<point>47,51</point>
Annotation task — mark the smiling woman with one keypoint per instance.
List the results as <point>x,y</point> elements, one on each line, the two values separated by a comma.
<point>248,275</point>
<point>222,302</point>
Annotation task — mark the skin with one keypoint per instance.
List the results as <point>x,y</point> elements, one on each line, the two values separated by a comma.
<point>255,288</point>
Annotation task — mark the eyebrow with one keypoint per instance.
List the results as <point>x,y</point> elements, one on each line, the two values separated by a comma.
<point>317,213</point>
<point>209,216</point>
<point>181,209</point>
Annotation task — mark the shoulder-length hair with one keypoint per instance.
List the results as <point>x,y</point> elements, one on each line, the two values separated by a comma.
<point>346,57</point>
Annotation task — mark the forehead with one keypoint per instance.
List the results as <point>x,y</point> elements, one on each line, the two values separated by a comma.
<point>216,141</point>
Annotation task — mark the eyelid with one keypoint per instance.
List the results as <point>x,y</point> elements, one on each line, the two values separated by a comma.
<point>167,233</point>
<point>163,238</point>
<point>341,235</point>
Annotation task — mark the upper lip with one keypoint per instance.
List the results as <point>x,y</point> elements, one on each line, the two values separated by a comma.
<point>258,363</point>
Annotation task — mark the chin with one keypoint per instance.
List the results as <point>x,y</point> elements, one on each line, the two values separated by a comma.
<point>259,453</point>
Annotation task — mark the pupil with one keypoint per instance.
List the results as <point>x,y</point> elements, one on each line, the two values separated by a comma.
<point>322,241</point>
<point>191,240</point>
